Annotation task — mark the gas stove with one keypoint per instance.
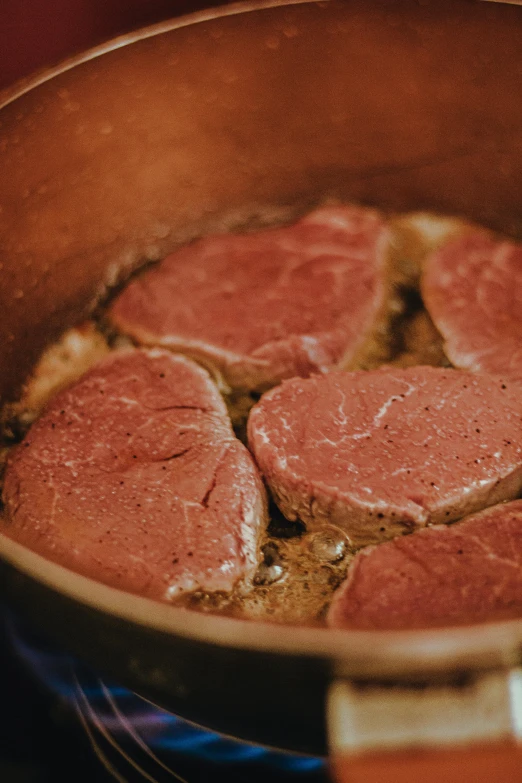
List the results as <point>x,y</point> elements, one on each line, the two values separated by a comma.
<point>62,722</point>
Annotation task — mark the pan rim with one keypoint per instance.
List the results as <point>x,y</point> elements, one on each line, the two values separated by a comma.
<point>12,92</point>
<point>394,654</point>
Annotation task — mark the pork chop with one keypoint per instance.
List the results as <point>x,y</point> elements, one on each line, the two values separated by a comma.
<point>465,573</point>
<point>381,453</point>
<point>472,288</point>
<point>134,477</point>
<point>260,307</point>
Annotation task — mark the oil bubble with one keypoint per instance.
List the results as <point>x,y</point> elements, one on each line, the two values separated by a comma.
<point>328,545</point>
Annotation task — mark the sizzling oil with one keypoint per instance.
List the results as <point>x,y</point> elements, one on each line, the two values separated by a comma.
<point>298,571</point>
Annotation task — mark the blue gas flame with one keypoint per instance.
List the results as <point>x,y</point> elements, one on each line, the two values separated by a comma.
<point>119,712</point>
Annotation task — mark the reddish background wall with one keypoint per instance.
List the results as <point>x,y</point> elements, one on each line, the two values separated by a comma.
<point>36,33</point>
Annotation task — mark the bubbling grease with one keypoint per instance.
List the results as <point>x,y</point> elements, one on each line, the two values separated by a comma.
<point>298,571</point>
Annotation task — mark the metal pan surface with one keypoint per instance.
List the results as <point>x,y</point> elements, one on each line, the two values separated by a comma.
<point>224,118</point>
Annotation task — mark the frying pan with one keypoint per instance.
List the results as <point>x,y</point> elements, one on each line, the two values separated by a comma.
<point>235,117</point>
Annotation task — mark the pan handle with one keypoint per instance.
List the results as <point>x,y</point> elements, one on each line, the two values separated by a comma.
<point>495,763</point>
<point>469,732</point>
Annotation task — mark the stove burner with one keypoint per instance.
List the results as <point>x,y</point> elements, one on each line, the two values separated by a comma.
<point>136,740</point>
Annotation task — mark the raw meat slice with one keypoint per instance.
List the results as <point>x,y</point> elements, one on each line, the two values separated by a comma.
<point>134,477</point>
<point>465,573</point>
<point>384,452</point>
<point>260,307</point>
<point>472,288</point>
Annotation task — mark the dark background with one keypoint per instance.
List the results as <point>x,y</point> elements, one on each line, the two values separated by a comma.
<point>39,743</point>
<point>38,33</point>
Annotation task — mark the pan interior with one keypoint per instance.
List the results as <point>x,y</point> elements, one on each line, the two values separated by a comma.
<point>241,118</point>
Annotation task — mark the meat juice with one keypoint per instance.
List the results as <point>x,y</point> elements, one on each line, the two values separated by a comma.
<point>298,569</point>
